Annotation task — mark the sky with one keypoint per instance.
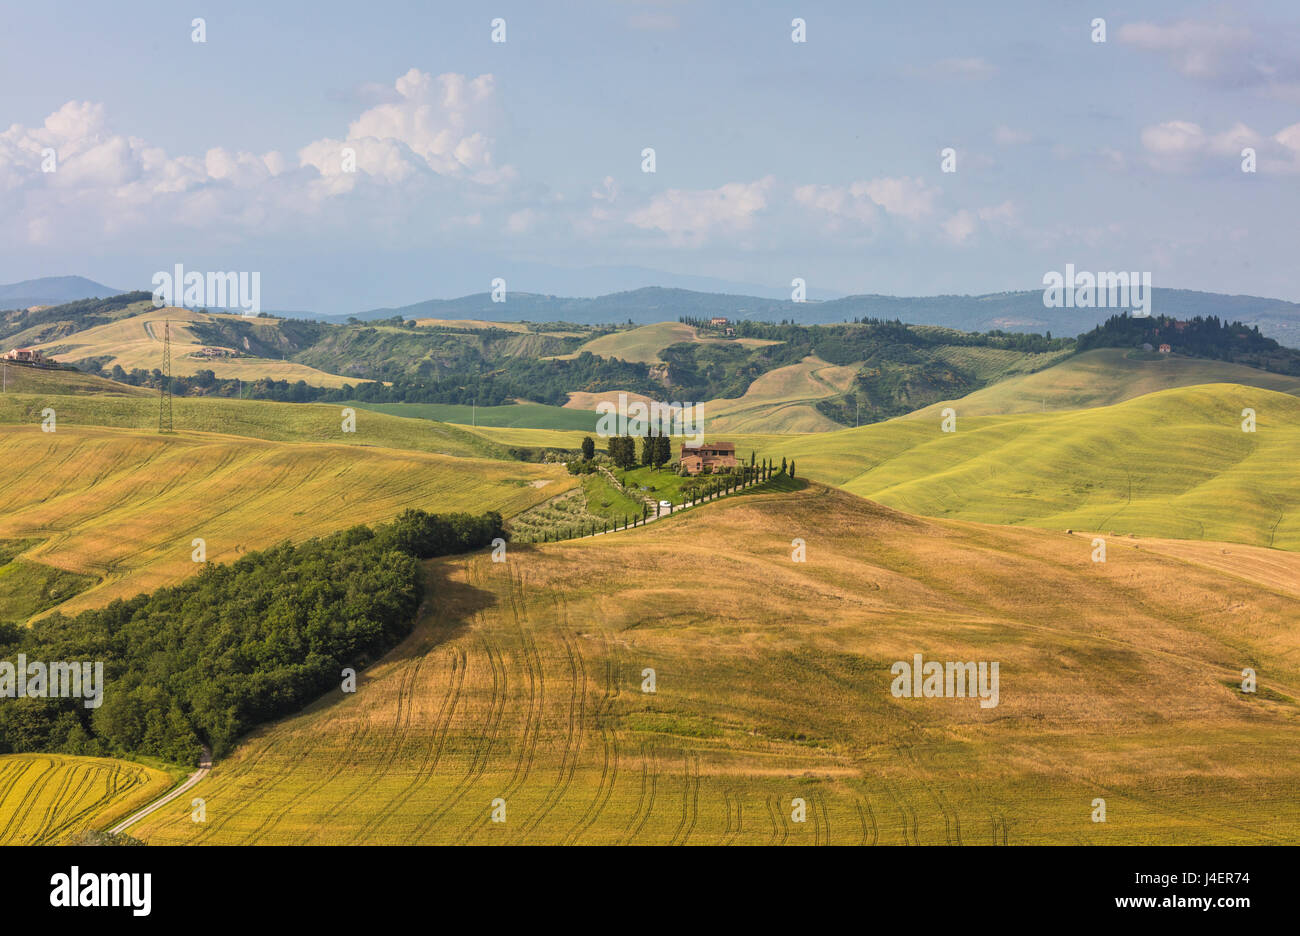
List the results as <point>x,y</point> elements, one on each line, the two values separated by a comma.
<point>774,159</point>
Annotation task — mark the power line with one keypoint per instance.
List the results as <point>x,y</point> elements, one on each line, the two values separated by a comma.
<point>165,397</point>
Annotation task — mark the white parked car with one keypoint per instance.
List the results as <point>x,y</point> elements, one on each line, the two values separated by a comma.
<point>666,504</point>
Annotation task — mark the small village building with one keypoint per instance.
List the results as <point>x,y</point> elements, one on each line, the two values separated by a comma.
<point>719,321</point>
<point>712,455</point>
<point>25,356</point>
<point>1165,349</point>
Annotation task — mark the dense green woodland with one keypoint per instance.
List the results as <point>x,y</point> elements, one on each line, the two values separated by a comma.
<point>236,645</point>
<point>1207,337</point>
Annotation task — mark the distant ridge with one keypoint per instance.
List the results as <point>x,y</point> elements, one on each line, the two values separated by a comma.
<point>1008,311</point>
<point>53,290</point>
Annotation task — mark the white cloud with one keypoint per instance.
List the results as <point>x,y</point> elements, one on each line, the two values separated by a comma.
<point>435,125</point>
<point>1181,145</point>
<point>959,227</point>
<point>690,215</point>
<point>861,201</point>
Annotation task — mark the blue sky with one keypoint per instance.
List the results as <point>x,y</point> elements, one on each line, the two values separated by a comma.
<point>774,159</point>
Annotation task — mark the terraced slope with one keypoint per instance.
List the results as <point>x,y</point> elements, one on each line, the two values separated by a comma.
<point>522,690</point>
<point>45,798</point>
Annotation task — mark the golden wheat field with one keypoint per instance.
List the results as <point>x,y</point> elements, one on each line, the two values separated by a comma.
<point>521,690</point>
<point>45,798</point>
<point>137,342</point>
<point>125,506</point>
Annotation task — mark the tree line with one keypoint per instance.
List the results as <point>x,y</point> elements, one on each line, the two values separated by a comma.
<point>236,645</point>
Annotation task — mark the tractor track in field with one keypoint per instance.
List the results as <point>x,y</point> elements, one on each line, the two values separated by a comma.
<point>731,797</point>
<point>690,799</point>
<point>111,789</point>
<point>649,786</point>
<point>574,727</point>
<point>531,662</point>
<point>51,810</point>
<point>867,817</point>
<point>355,745</point>
<point>38,785</point>
<point>822,827</point>
<point>903,810</point>
<point>609,765</point>
<point>284,768</point>
<point>442,727</point>
<point>485,740</point>
<point>483,751</point>
<point>51,825</point>
<point>780,832</point>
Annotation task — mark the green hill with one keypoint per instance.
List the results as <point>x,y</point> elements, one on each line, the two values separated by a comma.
<point>1174,463</point>
<point>257,419</point>
<point>1102,378</point>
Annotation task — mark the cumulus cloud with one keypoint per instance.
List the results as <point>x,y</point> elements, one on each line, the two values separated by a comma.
<point>862,201</point>
<point>433,125</point>
<point>1182,145</point>
<point>690,215</point>
<point>426,130</point>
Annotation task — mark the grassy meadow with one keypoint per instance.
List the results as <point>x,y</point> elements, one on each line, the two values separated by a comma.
<point>527,415</point>
<point>524,684</point>
<point>123,506</point>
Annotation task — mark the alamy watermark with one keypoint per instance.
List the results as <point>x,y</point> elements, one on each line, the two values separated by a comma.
<point>638,418</point>
<point>935,680</point>
<point>213,290</point>
<point>1100,291</point>
<point>36,680</point>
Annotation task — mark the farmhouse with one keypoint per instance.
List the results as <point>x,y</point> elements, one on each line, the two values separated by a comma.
<point>718,320</point>
<point>25,355</point>
<point>714,455</point>
<point>1165,349</point>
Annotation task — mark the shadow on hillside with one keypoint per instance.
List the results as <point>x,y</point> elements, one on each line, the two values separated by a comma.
<point>447,611</point>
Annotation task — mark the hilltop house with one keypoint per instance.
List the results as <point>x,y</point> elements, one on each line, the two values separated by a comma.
<point>25,356</point>
<point>714,455</point>
<point>718,320</point>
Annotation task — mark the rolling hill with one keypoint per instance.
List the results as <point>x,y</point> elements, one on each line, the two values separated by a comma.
<point>522,692</point>
<point>122,507</point>
<point>1104,377</point>
<point>137,342</point>
<point>1171,464</point>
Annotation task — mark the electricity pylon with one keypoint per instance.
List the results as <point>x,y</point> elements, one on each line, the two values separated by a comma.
<point>165,398</point>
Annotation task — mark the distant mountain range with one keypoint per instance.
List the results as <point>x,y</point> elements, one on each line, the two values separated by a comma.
<point>53,290</point>
<point>1008,311</point>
